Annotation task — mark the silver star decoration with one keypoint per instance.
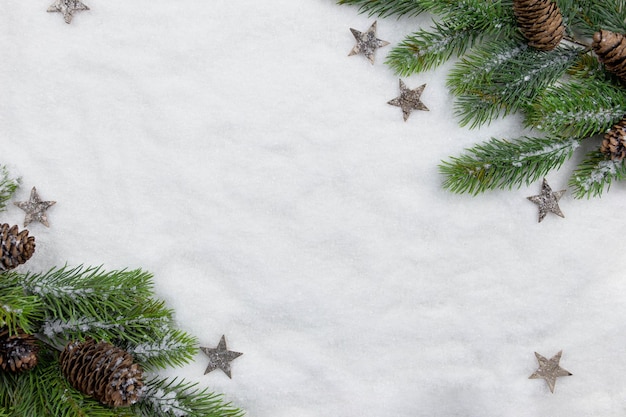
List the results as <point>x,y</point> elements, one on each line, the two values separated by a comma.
<point>366,42</point>
<point>35,209</point>
<point>409,100</point>
<point>67,7</point>
<point>548,201</point>
<point>549,369</point>
<point>220,357</point>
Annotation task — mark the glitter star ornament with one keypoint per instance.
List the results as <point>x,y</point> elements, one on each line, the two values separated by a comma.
<point>549,370</point>
<point>548,201</point>
<point>35,209</point>
<point>67,7</point>
<point>220,357</point>
<point>409,100</point>
<point>367,43</point>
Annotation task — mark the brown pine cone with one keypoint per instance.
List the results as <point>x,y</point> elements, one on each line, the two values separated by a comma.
<point>614,142</point>
<point>102,371</point>
<point>16,247</point>
<point>18,352</point>
<point>541,23</point>
<point>610,48</point>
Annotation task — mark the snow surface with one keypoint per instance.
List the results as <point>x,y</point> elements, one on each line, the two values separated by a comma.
<point>233,149</point>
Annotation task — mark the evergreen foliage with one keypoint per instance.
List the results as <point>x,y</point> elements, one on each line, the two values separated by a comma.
<point>65,304</point>
<point>8,186</point>
<point>565,95</point>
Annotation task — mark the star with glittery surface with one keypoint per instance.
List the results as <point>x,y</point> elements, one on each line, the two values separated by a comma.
<point>549,369</point>
<point>548,201</point>
<point>67,7</point>
<point>366,42</point>
<point>35,208</point>
<point>409,100</point>
<point>220,357</point>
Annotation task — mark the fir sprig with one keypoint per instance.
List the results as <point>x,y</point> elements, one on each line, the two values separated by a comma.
<point>595,174</point>
<point>578,108</point>
<point>514,82</point>
<point>18,310</point>
<point>504,164</point>
<point>8,186</point>
<point>384,8</point>
<point>174,397</point>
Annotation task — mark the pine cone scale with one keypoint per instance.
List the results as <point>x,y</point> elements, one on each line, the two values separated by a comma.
<point>541,23</point>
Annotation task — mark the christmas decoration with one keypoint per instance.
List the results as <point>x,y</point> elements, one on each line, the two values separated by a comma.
<point>367,43</point>
<point>549,369</point>
<point>548,201</point>
<point>67,7</point>
<point>541,23</point>
<point>611,50</point>
<point>567,95</point>
<point>35,209</point>
<point>220,357</point>
<point>17,248</point>
<point>102,371</point>
<point>115,328</point>
<point>18,351</point>
<point>614,143</point>
<point>409,100</point>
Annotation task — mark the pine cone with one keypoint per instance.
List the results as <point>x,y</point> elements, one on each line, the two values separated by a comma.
<point>541,23</point>
<point>18,352</point>
<point>610,48</point>
<point>16,247</point>
<point>614,143</point>
<point>102,371</point>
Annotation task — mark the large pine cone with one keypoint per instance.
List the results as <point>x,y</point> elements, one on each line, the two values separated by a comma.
<point>610,48</point>
<point>16,247</point>
<point>18,352</point>
<point>541,23</point>
<point>614,142</point>
<point>102,371</point>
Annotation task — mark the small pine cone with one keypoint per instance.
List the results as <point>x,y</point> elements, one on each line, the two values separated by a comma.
<point>614,142</point>
<point>18,352</point>
<point>610,48</point>
<point>102,371</point>
<point>541,23</point>
<point>16,247</point>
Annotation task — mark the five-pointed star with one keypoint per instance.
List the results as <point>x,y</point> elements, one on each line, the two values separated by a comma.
<point>67,7</point>
<point>220,357</point>
<point>409,100</point>
<point>548,201</point>
<point>549,369</point>
<point>367,42</point>
<point>35,208</point>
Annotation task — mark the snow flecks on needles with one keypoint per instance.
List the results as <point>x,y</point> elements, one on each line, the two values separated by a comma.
<point>147,350</point>
<point>597,176</point>
<point>599,118</point>
<point>166,402</point>
<point>495,62</point>
<point>553,148</point>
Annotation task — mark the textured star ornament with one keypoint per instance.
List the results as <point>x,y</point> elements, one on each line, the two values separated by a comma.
<point>220,357</point>
<point>548,201</point>
<point>35,209</point>
<point>366,42</point>
<point>409,100</point>
<point>67,7</point>
<point>549,369</point>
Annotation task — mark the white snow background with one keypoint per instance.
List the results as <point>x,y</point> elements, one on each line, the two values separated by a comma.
<point>234,150</point>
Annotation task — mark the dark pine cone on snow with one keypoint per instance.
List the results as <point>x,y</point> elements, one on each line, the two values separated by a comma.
<point>16,247</point>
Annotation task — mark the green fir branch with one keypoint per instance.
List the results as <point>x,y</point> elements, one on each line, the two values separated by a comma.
<point>385,8</point>
<point>464,25</point>
<point>595,174</point>
<point>8,186</point>
<point>513,84</point>
<point>593,15</point>
<point>168,347</point>
<point>174,397</point>
<point>19,310</point>
<point>578,108</point>
<point>504,164</point>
